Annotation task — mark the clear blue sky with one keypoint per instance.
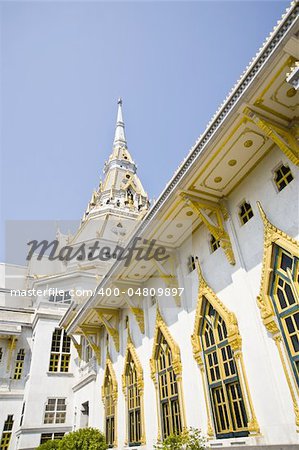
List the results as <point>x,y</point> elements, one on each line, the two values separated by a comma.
<point>65,64</point>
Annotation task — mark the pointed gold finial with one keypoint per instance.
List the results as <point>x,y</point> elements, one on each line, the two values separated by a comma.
<point>262,212</point>
<point>158,312</point>
<point>202,281</point>
<point>129,337</point>
<point>108,357</point>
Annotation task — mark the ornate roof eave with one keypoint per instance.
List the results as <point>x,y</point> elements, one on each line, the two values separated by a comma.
<point>271,43</point>
<point>266,50</point>
<point>252,70</point>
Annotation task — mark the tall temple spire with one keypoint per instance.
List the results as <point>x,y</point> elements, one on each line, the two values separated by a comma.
<point>119,137</point>
<point>121,189</point>
<point>120,146</point>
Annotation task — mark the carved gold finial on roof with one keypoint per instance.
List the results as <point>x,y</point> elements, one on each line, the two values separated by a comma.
<point>262,213</point>
<point>202,281</point>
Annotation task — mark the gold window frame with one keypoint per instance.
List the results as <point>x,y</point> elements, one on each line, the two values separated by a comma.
<point>235,342</point>
<point>131,351</point>
<point>161,327</point>
<point>275,236</point>
<point>284,176</point>
<point>60,359</point>
<point>244,217</point>
<point>109,368</point>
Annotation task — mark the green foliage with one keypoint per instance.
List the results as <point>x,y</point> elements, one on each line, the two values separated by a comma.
<point>188,439</point>
<point>49,445</point>
<point>83,439</point>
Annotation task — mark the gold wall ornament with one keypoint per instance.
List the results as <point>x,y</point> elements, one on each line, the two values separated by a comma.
<point>109,366</point>
<point>131,351</point>
<point>176,355</point>
<point>169,278</point>
<point>275,236</point>
<point>282,136</point>
<point>279,344</point>
<point>77,346</point>
<point>272,235</point>
<point>111,328</point>
<point>109,370</point>
<point>234,340</point>
<point>136,311</point>
<point>96,348</point>
<point>11,348</point>
<point>201,207</point>
<point>161,327</point>
<point>139,316</point>
<point>204,291</point>
<point>197,353</point>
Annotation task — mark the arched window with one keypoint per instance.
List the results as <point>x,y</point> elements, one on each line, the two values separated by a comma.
<point>284,293</point>
<point>129,197</point>
<point>109,395</point>
<point>225,391</point>
<point>217,348</point>
<point>133,396</point>
<point>109,410</point>
<point>278,300</point>
<point>168,390</point>
<point>166,373</point>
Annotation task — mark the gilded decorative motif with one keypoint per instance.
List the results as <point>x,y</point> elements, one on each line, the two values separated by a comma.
<point>109,366</point>
<point>169,279</point>
<point>200,207</point>
<point>77,346</point>
<point>175,351</point>
<point>234,340</point>
<point>130,350</point>
<point>161,327</point>
<point>111,330</point>
<point>282,137</point>
<point>109,369</point>
<point>273,235</point>
<point>96,349</point>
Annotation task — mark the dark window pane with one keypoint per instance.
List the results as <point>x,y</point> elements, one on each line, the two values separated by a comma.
<point>290,325</point>
<point>286,262</point>
<point>295,343</point>
<point>281,299</point>
<point>289,293</point>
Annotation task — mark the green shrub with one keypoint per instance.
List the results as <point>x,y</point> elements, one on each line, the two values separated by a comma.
<point>83,439</point>
<point>49,445</point>
<point>188,439</point>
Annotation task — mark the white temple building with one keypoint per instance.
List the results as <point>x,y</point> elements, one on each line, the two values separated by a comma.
<point>204,331</point>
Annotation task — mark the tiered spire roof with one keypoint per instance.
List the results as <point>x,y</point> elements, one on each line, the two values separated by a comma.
<point>121,188</point>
